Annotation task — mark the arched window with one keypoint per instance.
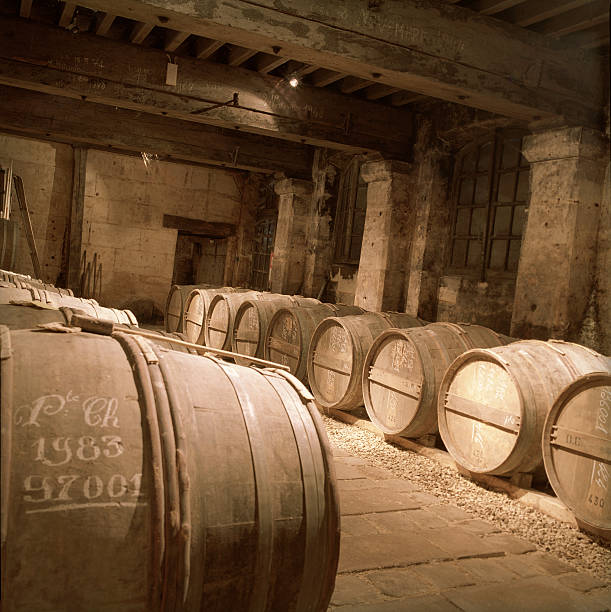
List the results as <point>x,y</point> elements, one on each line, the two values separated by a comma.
<point>490,195</point>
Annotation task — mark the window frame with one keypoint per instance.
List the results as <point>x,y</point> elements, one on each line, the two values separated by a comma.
<point>495,171</point>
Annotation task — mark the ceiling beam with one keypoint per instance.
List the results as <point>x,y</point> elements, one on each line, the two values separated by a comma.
<point>401,98</point>
<point>205,47</point>
<point>238,55</point>
<point>104,23</point>
<point>351,84</point>
<point>173,40</point>
<point>491,7</point>
<point>425,46</point>
<point>64,120</point>
<point>534,12</point>
<point>25,8</point>
<point>322,77</point>
<point>378,90</point>
<point>267,63</point>
<point>592,14</point>
<point>41,58</point>
<point>140,31</point>
<point>67,14</point>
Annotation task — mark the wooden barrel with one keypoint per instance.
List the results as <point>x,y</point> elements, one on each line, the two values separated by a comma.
<point>20,308</point>
<point>577,449</point>
<point>25,281</point>
<point>221,314</point>
<point>337,353</point>
<point>141,479</point>
<point>290,330</point>
<point>252,320</point>
<point>196,307</point>
<point>175,305</point>
<point>493,402</point>
<point>403,371</point>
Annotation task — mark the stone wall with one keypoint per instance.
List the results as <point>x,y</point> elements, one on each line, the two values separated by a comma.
<point>123,221</point>
<point>46,171</point>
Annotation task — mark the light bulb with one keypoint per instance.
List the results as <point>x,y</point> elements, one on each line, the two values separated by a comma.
<point>294,81</point>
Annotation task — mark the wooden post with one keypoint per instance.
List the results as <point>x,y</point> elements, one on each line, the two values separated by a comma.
<point>27,224</point>
<point>76,216</point>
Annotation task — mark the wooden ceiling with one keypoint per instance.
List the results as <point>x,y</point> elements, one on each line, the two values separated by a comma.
<point>582,25</point>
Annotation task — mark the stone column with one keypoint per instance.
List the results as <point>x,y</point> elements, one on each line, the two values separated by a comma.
<point>387,236</point>
<point>556,270</point>
<point>288,264</point>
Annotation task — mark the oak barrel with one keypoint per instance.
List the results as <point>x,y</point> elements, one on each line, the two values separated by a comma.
<point>142,479</point>
<point>175,306</point>
<point>403,371</point>
<point>290,330</point>
<point>21,308</point>
<point>493,402</point>
<point>337,354</point>
<point>577,449</point>
<point>196,308</point>
<point>25,281</point>
<point>252,320</point>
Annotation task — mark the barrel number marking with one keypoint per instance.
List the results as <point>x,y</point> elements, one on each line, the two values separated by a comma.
<point>85,448</point>
<point>600,471</point>
<point>603,411</point>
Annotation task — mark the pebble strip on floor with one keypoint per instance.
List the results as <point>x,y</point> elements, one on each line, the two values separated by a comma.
<point>565,542</point>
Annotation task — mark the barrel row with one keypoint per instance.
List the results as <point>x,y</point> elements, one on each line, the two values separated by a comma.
<point>23,281</point>
<point>196,483</point>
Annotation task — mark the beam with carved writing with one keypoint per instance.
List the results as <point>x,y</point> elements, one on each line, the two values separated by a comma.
<point>62,119</point>
<point>33,56</point>
<point>427,47</point>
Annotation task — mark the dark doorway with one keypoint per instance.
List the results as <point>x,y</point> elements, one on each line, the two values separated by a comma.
<point>199,259</point>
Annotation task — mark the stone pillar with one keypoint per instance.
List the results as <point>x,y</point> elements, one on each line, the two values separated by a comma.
<point>288,264</point>
<point>556,270</point>
<point>387,236</point>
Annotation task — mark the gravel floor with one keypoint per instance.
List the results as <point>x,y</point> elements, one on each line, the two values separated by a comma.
<point>559,539</point>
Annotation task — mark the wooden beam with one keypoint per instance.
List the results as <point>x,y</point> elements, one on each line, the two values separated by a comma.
<point>173,40</point>
<point>534,12</point>
<point>591,38</point>
<point>587,16</point>
<point>140,31</point>
<point>322,77</point>
<point>25,8</point>
<point>53,61</point>
<point>377,91</point>
<point>491,7</point>
<point>104,23</point>
<point>67,14</point>
<point>204,47</point>
<point>425,46</point>
<point>211,229</point>
<point>267,63</point>
<point>351,84</point>
<point>238,55</point>
<point>99,126</point>
<point>77,212</point>
<point>401,98</point>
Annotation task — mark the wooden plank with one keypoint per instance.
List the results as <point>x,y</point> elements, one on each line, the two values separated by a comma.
<point>104,23</point>
<point>491,7</point>
<point>73,121</point>
<point>25,8</point>
<point>206,228</point>
<point>482,412</point>
<point>395,382</point>
<point>401,98</point>
<point>266,63</point>
<point>351,84</point>
<point>67,14</point>
<point>77,212</point>
<point>204,47</point>
<point>140,31</point>
<point>581,442</point>
<point>173,40</point>
<point>54,61</point>
<point>377,91</point>
<point>27,225</point>
<point>322,77</point>
<point>428,47</point>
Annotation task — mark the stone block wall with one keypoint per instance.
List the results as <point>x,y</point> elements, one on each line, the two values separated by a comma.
<point>123,220</point>
<point>46,171</point>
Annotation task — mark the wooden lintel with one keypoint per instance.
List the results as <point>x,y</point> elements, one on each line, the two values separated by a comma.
<point>140,31</point>
<point>53,61</point>
<point>67,13</point>
<point>426,46</point>
<point>61,119</point>
<point>25,8</point>
<point>104,24</point>
<point>173,40</point>
<point>196,226</point>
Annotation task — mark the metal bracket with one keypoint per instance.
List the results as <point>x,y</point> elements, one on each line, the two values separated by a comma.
<point>235,101</point>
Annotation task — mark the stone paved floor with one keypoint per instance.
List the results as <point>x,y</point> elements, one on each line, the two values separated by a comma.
<point>402,549</point>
